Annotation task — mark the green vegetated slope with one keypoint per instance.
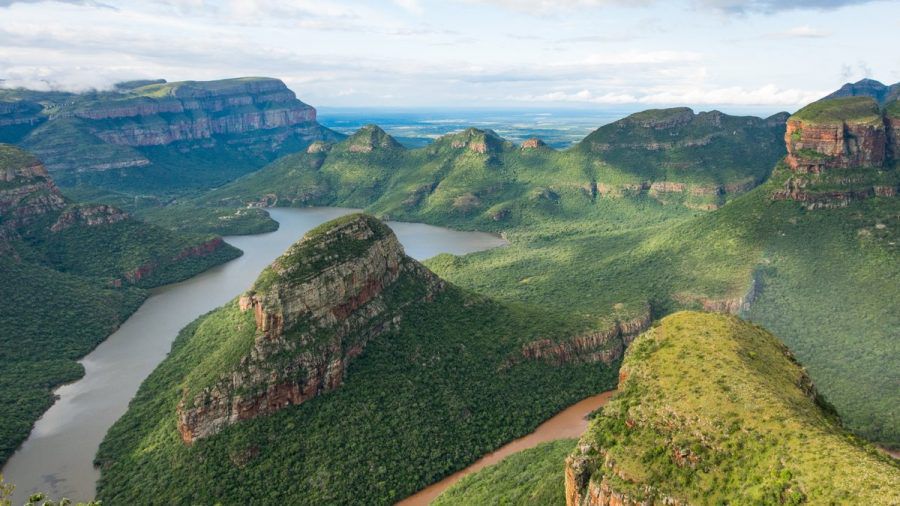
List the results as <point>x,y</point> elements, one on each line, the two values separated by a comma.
<point>423,399</point>
<point>716,410</point>
<point>862,110</point>
<point>69,275</point>
<point>583,249</point>
<point>584,240</point>
<point>530,477</point>
<point>476,179</point>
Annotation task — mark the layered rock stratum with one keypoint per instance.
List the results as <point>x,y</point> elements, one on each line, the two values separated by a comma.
<point>101,131</point>
<point>312,312</point>
<point>843,148</point>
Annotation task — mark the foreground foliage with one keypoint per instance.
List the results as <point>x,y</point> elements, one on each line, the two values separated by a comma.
<point>419,403</point>
<point>715,410</point>
<point>530,477</point>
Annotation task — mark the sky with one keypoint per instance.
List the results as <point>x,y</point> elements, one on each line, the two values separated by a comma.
<point>465,53</point>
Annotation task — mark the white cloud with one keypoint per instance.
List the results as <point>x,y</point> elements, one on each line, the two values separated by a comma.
<point>411,5</point>
<point>769,95</point>
<point>802,32</point>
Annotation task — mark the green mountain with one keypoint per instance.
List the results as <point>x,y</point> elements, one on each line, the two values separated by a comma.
<point>69,275</point>
<point>475,178</point>
<point>604,233</point>
<point>348,373</point>
<point>714,410</point>
<point>158,137</point>
<point>602,241</point>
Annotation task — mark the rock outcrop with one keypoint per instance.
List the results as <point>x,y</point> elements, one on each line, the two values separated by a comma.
<point>533,143</point>
<point>841,150</point>
<point>101,131</point>
<point>314,309</point>
<point>89,216</point>
<point>606,345</point>
<point>26,190</point>
<point>160,114</point>
<point>846,133</point>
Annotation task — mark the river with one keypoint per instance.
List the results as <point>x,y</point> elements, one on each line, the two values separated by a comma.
<point>57,457</point>
<point>568,423</point>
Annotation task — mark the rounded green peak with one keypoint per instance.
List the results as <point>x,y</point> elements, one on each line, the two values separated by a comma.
<point>369,138</point>
<point>709,399</point>
<point>331,243</point>
<point>859,109</point>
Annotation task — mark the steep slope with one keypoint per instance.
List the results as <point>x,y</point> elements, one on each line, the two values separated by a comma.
<point>868,88</point>
<point>841,149</point>
<point>158,136</point>
<point>708,153</point>
<point>344,346</point>
<point>715,410</point>
<point>68,276</point>
<point>315,308</point>
<point>530,477</point>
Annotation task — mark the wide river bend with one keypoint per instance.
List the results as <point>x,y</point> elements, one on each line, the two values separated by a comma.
<point>57,457</point>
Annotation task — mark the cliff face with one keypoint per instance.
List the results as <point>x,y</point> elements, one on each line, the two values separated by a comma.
<point>605,345</point>
<point>193,111</point>
<point>841,150</point>
<point>314,310</point>
<point>101,131</point>
<point>815,146</point>
<point>26,191</point>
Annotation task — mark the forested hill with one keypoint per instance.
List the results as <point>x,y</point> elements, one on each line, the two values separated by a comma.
<point>69,275</point>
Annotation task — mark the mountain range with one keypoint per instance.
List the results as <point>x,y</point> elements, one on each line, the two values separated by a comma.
<point>349,372</point>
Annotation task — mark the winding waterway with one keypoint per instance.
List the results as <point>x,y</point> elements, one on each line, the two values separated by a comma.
<point>568,423</point>
<point>57,457</point>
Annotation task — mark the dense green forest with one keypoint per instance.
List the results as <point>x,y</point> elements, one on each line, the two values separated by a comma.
<point>421,402</point>
<point>530,477</point>
<point>66,288</point>
<point>583,239</point>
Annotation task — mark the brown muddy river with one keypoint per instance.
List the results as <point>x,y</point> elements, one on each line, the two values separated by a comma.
<point>57,457</point>
<point>568,423</point>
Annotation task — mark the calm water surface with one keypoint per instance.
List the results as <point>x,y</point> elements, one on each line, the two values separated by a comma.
<point>57,458</point>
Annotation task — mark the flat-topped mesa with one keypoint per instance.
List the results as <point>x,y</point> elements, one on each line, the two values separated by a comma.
<point>368,139</point>
<point>678,127</point>
<point>838,133</point>
<point>313,311</point>
<point>162,113</point>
